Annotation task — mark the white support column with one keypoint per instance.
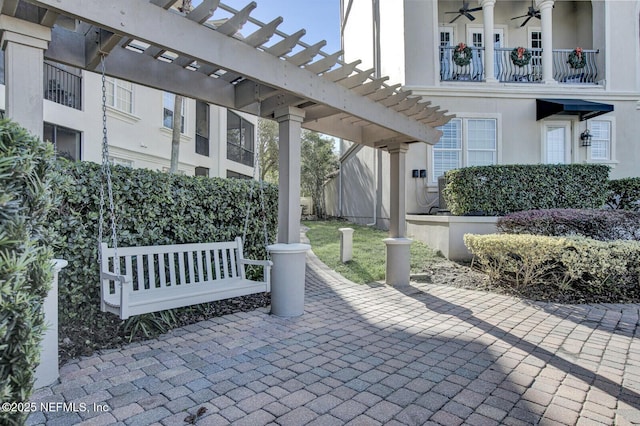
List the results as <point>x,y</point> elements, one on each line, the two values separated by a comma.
<point>24,44</point>
<point>289,120</point>
<point>546,20</point>
<point>489,55</point>
<point>288,256</point>
<point>398,255</point>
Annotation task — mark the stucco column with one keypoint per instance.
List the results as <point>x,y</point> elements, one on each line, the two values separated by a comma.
<point>489,55</point>
<point>546,20</point>
<point>289,120</point>
<point>398,255</point>
<point>24,44</point>
<point>288,256</point>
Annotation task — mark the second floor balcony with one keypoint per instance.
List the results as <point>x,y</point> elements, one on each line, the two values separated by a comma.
<point>568,67</point>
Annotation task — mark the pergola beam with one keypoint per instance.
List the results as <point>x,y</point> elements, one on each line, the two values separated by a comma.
<point>168,30</point>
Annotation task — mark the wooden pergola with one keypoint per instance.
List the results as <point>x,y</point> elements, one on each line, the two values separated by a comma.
<point>266,73</point>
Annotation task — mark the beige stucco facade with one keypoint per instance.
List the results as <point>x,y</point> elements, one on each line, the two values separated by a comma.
<point>409,50</point>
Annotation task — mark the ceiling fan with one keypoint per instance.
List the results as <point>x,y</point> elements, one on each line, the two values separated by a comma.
<point>532,13</point>
<point>465,11</point>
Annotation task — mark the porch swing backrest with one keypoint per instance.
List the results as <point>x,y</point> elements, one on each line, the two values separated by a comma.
<point>155,278</point>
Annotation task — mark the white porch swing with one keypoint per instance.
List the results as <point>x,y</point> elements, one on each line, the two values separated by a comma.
<point>155,278</point>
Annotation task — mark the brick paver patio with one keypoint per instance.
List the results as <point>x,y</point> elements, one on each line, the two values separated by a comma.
<point>369,355</point>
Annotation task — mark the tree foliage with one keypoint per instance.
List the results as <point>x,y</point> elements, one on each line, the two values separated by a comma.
<point>318,161</point>
<point>268,140</point>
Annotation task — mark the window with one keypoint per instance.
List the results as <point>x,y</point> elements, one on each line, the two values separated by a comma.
<point>202,171</point>
<point>234,175</point>
<point>202,129</point>
<point>240,146</point>
<point>168,102</point>
<point>601,140</point>
<point>119,94</point>
<point>66,141</point>
<point>465,142</point>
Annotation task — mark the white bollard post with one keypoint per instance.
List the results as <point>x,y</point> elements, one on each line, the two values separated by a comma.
<point>47,371</point>
<point>346,244</point>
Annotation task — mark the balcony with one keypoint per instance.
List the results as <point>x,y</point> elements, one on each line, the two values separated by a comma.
<point>62,87</point>
<point>506,71</point>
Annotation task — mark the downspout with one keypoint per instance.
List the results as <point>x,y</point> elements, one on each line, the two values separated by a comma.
<point>375,188</point>
<point>377,64</point>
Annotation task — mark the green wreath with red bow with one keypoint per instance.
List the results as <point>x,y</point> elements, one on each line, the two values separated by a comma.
<point>462,55</point>
<point>577,58</point>
<point>520,56</point>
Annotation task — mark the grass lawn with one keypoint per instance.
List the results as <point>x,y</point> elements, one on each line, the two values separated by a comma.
<point>369,252</point>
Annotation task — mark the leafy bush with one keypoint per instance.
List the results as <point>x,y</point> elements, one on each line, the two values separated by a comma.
<point>25,259</point>
<point>560,268</point>
<point>153,208</point>
<point>603,225</point>
<point>624,194</point>
<point>499,190</point>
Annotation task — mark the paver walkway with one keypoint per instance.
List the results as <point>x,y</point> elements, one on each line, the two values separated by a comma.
<point>369,355</point>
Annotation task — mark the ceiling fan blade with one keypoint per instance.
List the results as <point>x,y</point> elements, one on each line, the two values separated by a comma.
<point>518,17</point>
<point>451,22</point>
<point>471,17</point>
<point>453,12</point>
<point>475,9</point>
<point>538,15</point>
<point>525,22</point>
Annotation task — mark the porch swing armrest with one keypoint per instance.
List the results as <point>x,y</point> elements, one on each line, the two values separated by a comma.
<point>266,274</point>
<point>123,291</point>
<point>122,279</point>
<point>256,262</point>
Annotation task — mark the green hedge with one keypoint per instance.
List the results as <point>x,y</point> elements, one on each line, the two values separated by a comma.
<point>560,268</point>
<point>25,260</point>
<point>499,190</point>
<point>624,194</point>
<point>153,208</point>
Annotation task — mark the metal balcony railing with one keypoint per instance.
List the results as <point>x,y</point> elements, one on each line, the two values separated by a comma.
<point>62,87</point>
<point>506,71</point>
<point>449,70</point>
<point>564,73</point>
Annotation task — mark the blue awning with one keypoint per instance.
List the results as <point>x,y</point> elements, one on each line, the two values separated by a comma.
<point>584,109</point>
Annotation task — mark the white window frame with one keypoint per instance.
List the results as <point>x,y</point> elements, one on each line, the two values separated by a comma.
<point>530,31</point>
<point>464,118</point>
<point>184,112</point>
<point>612,142</point>
<point>112,85</point>
<point>568,145</point>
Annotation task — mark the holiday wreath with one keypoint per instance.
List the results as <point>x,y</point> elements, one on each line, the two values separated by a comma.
<point>520,56</point>
<point>462,55</point>
<point>577,58</point>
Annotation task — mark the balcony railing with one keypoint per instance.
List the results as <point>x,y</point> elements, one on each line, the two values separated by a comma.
<point>62,87</point>
<point>449,70</point>
<point>563,73</point>
<point>506,71</point>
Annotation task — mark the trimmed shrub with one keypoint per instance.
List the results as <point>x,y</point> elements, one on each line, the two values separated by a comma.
<point>624,194</point>
<point>499,190</point>
<point>560,268</point>
<point>25,260</point>
<point>603,225</point>
<point>153,208</point>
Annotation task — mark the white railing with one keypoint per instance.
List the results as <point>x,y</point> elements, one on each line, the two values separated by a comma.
<point>506,71</point>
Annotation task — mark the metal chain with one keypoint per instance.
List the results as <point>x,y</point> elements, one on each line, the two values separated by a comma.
<point>106,179</point>
<point>262,205</point>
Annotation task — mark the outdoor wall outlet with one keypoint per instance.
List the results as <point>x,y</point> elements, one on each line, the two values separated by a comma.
<point>423,173</point>
<point>414,173</point>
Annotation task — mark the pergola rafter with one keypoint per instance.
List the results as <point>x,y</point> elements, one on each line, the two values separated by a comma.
<point>247,75</point>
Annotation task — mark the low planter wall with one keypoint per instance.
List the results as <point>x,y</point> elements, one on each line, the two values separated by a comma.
<point>445,233</point>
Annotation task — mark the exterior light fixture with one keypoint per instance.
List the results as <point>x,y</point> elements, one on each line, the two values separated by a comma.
<point>585,137</point>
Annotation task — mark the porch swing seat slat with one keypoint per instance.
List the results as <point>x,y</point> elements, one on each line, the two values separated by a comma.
<point>156,278</point>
